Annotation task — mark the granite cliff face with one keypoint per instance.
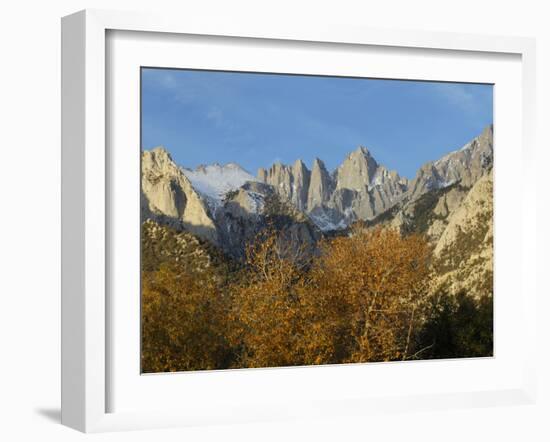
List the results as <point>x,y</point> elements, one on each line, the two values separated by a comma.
<point>168,196</point>
<point>463,254</point>
<point>369,187</point>
<point>320,186</point>
<point>359,189</point>
<point>458,222</point>
<point>291,182</point>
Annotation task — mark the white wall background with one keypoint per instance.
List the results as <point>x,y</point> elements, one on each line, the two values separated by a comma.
<point>30,215</point>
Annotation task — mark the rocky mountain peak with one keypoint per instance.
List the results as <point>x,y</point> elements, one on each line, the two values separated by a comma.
<point>168,196</point>
<point>299,165</point>
<point>362,150</point>
<point>159,156</point>
<point>357,170</point>
<point>465,166</point>
<point>318,163</point>
<point>234,166</point>
<point>214,181</point>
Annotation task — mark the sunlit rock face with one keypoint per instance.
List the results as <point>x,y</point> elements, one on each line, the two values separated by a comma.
<point>465,165</point>
<point>167,194</point>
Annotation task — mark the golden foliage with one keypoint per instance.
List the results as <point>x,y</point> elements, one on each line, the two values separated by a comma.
<point>370,287</point>
<point>358,298</point>
<point>355,303</point>
<point>183,322</point>
<point>267,312</point>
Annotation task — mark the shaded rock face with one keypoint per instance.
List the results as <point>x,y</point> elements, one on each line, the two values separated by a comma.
<point>302,181</point>
<point>168,196</point>
<point>255,207</point>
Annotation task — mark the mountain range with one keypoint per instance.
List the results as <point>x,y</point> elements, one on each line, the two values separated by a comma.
<point>227,206</point>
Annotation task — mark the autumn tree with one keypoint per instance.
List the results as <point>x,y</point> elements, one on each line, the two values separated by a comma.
<point>184,321</point>
<point>268,318</point>
<point>369,289</point>
<point>357,299</point>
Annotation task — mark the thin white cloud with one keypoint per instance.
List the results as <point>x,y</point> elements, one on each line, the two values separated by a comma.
<point>215,114</point>
<point>459,96</point>
<point>167,80</point>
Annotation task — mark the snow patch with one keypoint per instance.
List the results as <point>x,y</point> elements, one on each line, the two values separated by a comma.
<point>214,181</point>
<point>325,224</point>
<point>256,202</point>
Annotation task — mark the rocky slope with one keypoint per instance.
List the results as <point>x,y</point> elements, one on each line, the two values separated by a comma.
<point>458,221</point>
<point>161,244</point>
<point>463,254</point>
<point>440,187</point>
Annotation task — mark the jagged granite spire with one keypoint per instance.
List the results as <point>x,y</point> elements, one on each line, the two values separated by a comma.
<point>290,182</point>
<point>301,177</point>
<point>320,186</point>
<point>357,170</point>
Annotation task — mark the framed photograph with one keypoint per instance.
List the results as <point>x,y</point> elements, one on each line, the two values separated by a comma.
<point>270,222</point>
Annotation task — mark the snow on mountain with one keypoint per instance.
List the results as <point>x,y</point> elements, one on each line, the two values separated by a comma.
<point>359,189</point>
<point>256,202</point>
<point>214,181</point>
<point>325,223</point>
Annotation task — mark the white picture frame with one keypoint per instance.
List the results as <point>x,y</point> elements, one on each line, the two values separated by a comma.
<point>85,235</point>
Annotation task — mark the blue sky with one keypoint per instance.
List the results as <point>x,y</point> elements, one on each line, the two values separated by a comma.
<point>203,117</point>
